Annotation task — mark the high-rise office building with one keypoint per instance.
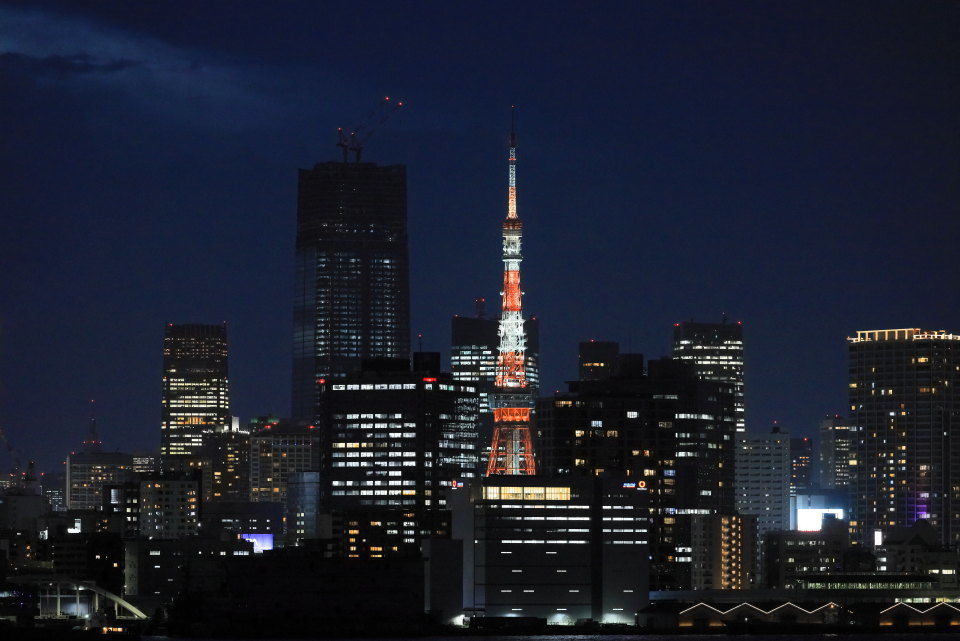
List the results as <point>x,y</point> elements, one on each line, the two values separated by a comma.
<point>89,472</point>
<point>169,508</point>
<point>196,390</point>
<point>836,452</point>
<point>397,438</point>
<point>560,549</point>
<point>716,351</point>
<point>598,359</point>
<point>905,408</point>
<point>228,453</point>
<point>304,516</point>
<point>277,452</point>
<point>763,476</point>
<point>667,430</point>
<point>351,294</point>
<point>801,464</point>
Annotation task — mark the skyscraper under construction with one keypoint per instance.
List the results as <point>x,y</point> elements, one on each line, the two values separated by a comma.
<point>511,451</point>
<point>351,295</point>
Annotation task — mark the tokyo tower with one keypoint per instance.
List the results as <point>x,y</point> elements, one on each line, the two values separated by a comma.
<point>512,447</point>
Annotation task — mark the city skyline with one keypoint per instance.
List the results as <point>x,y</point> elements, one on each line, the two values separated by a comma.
<point>242,393</point>
<point>799,289</point>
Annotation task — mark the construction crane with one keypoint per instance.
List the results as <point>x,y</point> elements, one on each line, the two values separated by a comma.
<point>356,138</point>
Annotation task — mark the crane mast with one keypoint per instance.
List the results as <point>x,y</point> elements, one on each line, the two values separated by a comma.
<point>511,451</point>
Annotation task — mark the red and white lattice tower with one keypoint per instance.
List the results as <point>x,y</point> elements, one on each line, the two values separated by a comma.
<point>512,448</point>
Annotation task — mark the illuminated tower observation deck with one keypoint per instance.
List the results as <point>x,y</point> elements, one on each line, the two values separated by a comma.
<point>512,449</point>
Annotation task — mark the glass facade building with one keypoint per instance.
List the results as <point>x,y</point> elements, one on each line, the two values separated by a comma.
<point>716,352</point>
<point>763,475</point>
<point>396,439</point>
<point>196,389</point>
<point>836,452</point>
<point>351,293</point>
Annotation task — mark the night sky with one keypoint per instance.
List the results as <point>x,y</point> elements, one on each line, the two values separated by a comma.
<point>795,165</point>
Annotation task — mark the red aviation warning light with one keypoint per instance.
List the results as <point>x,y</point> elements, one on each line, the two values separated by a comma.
<point>511,451</point>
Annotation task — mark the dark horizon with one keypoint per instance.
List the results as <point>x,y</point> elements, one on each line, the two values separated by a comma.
<point>794,166</point>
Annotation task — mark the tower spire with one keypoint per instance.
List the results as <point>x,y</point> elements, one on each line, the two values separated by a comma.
<point>512,447</point>
<point>92,442</point>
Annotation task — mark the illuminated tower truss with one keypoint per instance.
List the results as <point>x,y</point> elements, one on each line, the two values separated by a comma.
<point>511,451</point>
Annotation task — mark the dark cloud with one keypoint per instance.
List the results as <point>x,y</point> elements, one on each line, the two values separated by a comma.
<point>76,64</point>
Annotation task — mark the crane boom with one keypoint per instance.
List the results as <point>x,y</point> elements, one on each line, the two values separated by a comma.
<point>355,139</point>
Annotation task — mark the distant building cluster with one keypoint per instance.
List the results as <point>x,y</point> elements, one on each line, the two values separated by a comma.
<point>399,490</point>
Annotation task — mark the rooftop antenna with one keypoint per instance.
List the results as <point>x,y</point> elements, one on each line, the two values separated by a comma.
<point>93,442</point>
<point>480,304</point>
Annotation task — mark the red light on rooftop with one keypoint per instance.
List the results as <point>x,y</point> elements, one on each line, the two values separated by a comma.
<point>429,380</point>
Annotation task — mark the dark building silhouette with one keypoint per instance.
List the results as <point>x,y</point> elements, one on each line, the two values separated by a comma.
<point>668,430</point>
<point>196,390</point>
<point>561,549</point>
<point>351,294</point>
<point>228,453</point>
<point>801,464</point>
<point>835,452</point>
<point>598,359</point>
<point>716,352</point>
<point>905,408</point>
